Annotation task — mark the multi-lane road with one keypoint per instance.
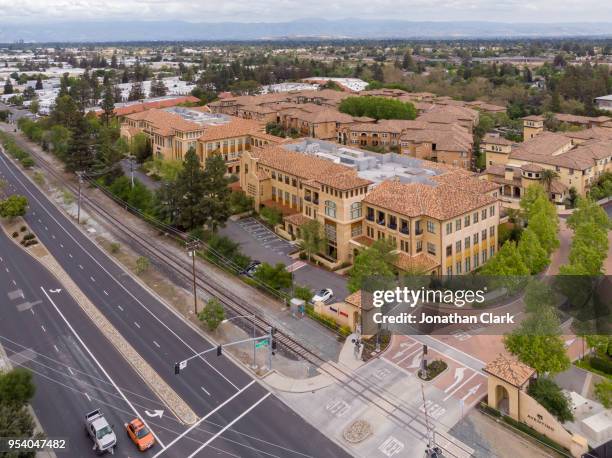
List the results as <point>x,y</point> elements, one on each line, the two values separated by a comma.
<point>77,369</point>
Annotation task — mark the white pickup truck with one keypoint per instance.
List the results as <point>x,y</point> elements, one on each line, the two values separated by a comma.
<point>100,432</point>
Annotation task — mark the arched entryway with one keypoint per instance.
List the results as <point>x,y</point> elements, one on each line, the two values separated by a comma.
<point>503,399</point>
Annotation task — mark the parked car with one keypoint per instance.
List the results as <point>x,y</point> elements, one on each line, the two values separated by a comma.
<point>323,295</point>
<point>140,434</point>
<point>252,268</point>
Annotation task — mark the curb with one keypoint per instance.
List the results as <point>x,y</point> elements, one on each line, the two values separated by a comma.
<point>166,394</point>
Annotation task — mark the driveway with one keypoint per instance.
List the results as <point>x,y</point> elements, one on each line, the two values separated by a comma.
<point>259,242</point>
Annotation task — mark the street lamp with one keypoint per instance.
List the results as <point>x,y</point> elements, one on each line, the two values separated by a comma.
<point>227,320</point>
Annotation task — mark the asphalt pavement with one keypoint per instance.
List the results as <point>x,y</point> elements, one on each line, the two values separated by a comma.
<point>252,423</point>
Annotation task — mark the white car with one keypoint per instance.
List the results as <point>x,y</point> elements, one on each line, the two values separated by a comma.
<point>323,296</point>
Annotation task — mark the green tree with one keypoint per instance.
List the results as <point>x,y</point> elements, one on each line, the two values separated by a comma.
<point>603,391</point>
<point>506,262</point>
<point>34,107</point>
<point>13,206</point>
<point>140,147</point>
<point>136,92</point>
<point>8,86</point>
<point>65,112</point>
<point>545,226</point>
<point>212,314</point>
<point>215,198</point>
<point>16,422</point>
<point>538,295</point>
<point>312,238</point>
<point>16,387</point>
<point>552,398</point>
<point>601,344</point>
<point>377,108</point>
<point>275,277</point>
<point>303,292</point>
<point>80,154</point>
<point>373,265</point>
<point>39,83</point>
<point>158,88</point>
<point>271,215</point>
<point>532,253</point>
<point>59,139</point>
<point>587,211</point>
<point>548,176</point>
<point>189,189</point>
<point>537,342</point>
<point>108,105</point>
<point>142,265</point>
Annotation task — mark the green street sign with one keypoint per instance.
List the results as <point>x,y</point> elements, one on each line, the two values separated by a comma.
<point>261,343</point>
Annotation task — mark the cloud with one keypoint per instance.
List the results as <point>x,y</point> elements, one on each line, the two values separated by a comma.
<point>40,11</point>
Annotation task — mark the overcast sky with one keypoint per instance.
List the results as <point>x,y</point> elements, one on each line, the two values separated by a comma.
<point>27,11</point>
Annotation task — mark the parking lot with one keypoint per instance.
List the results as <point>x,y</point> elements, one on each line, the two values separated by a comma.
<point>260,243</point>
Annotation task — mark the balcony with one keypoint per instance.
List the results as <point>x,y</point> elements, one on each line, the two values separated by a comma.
<point>315,201</point>
<point>381,222</point>
<point>308,198</point>
<point>370,217</point>
<point>418,231</point>
<point>392,226</point>
<point>404,230</point>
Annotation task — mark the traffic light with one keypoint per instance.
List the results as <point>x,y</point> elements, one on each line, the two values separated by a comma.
<point>177,368</point>
<point>219,350</point>
<point>424,349</point>
<point>273,345</point>
<point>272,330</point>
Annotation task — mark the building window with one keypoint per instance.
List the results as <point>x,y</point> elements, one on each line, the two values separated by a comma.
<point>419,246</point>
<point>484,256</point>
<point>370,214</point>
<point>475,218</point>
<point>484,214</point>
<point>330,208</point>
<point>449,228</point>
<point>466,243</point>
<point>404,246</point>
<point>356,210</point>
<point>449,250</point>
<point>458,267</point>
<point>467,264</point>
<point>458,246</point>
<point>466,221</point>
<point>370,232</point>
<point>492,251</point>
<point>431,248</point>
<point>273,192</point>
<point>404,227</point>
<point>492,210</point>
<point>492,231</point>
<point>476,261</point>
<point>484,235</point>
<point>476,239</point>
<point>458,225</point>
<point>431,227</point>
<point>449,271</point>
<point>356,230</point>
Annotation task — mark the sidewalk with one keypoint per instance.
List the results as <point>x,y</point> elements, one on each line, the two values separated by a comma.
<point>315,337</point>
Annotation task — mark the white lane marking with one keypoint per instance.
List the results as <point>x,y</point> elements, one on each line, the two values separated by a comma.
<point>155,317</point>
<point>459,387</point>
<point>88,398</point>
<point>197,423</point>
<point>105,292</point>
<point>99,365</point>
<point>120,308</point>
<point>61,245</point>
<point>70,370</point>
<point>80,267</point>
<point>7,270</point>
<point>46,228</point>
<point>56,349</point>
<point>14,283</point>
<point>137,325</point>
<point>43,328</point>
<point>53,237</point>
<point>32,310</point>
<point>92,279</point>
<point>70,255</point>
<point>229,425</point>
<point>204,389</point>
<point>156,344</point>
<point>1,259</point>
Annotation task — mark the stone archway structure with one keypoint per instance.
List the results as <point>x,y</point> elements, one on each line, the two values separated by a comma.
<point>508,380</point>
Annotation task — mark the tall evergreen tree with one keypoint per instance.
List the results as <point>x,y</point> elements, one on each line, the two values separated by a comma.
<point>216,193</point>
<point>80,154</point>
<point>8,86</point>
<point>136,92</point>
<point>64,85</point>
<point>108,105</point>
<point>189,189</point>
<point>39,83</point>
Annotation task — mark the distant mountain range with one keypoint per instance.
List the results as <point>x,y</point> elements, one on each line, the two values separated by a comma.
<point>311,29</point>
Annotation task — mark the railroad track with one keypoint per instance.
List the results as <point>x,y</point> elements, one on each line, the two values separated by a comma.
<point>364,389</point>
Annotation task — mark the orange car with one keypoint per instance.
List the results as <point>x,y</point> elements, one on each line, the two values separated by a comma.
<point>140,434</point>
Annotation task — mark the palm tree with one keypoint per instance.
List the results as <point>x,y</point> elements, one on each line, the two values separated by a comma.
<point>548,176</point>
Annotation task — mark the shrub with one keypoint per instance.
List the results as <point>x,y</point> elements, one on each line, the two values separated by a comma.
<point>115,247</point>
<point>303,292</point>
<point>552,398</point>
<point>27,162</point>
<point>271,215</point>
<point>142,265</point>
<point>212,314</point>
<point>22,228</point>
<point>240,202</point>
<point>303,255</point>
<point>601,364</point>
<point>377,108</point>
<point>29,236</point>
<point>30,242</point>
<point>603,391</point>
<point>434,369</point>
<point>15,234</point>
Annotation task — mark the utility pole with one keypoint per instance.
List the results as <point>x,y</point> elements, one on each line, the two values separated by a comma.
<point>271,347</point>
<point>432,450</point>
<point>192,248</point>
<point>80,175</point>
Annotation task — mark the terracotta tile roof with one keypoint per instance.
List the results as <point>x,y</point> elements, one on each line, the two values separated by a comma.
<point>447,114</point>
<point>509,370</point>
<point>583,120</point>
<point>143,106</point>
<point>385,125</point>
<point>462,179</point>
<point>446,137</point>
<point>595,133</point>
<point>533,118</point>
<point>354,299</point>
<point>545,149</point>
<point>441,202</point>
<point>422,262</point>
<point>297,219</point>
<point>298,164</point>
<point>496,140</point>
<point>344,181</point>
<point>531,167</point>
<point>237,127</point>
